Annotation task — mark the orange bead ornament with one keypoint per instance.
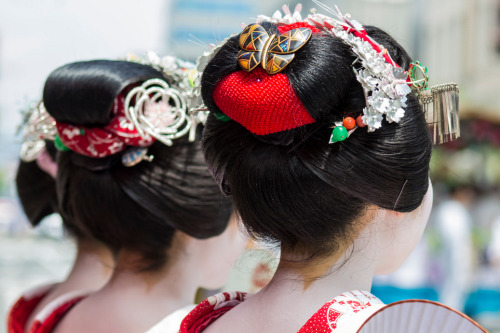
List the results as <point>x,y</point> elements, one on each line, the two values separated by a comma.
<point>349,123</point>
<point>359,121</point>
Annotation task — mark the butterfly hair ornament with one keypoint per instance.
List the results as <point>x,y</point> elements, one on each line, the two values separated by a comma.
<point>385,84</point>
<point>153,111</point>
<point>273,52</point>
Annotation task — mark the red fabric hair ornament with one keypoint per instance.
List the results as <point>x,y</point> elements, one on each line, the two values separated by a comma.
<point>263,103</point>
<point>104,141</point>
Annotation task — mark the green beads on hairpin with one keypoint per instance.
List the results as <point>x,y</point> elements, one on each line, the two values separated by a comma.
<point>419,83</point>
<point>343,129</point>
<point>221,117</point>
<point>59,144</point>
<point>339,133</point>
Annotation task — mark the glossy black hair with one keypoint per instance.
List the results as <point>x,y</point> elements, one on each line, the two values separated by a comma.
<point>295,188</point>
<point>37,192</point>
<point>135,208</point>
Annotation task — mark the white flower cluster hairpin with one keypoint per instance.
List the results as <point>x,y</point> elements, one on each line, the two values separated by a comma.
<point>187,76</point>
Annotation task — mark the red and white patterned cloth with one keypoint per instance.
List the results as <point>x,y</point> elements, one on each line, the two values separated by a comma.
<point>210,310</point>
<point>24,307</point>
<point>47,319</point>
<point>104,141</point>
<point>345,313</point>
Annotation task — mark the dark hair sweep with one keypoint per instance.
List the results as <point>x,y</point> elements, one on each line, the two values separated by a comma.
<point>37,192</point>
<point>36,189</point>
<point>300,190</point>
<point>136,208</point>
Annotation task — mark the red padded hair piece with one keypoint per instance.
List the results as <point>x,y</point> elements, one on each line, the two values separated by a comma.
<point>262,103</point>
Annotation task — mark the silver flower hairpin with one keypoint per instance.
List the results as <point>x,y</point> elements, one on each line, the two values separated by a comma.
<point>39,127</point>
<point>156,109</point>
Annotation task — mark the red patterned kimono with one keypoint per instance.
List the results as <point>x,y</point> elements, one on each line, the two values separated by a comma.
<point>47,319</point>
<point>24,306</point>
<point>345,313</point>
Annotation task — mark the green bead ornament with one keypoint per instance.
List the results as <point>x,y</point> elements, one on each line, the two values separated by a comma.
<point>222,117</point>
<point>339,133</point>
<point>59,145</point>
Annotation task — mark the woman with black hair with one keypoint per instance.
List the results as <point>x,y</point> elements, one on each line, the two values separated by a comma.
<point>93,263</point>
<point>132,174</point>
<point>316,135</point>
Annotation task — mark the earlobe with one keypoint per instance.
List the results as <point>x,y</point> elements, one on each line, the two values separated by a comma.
<point>394,218</point>
<point>398,214</point>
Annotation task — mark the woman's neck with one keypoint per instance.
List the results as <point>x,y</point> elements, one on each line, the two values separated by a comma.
<point>171,286</point>
<point>307,293</point>
<point>92,267</point>
<point>134,300</point>
<point>298,290</point>
<point>331,276</point>
<point>91,270</point>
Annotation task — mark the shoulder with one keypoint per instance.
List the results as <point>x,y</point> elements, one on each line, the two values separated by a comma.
<point>210,310</point>
<point>345,313</point>
<point>47,319</point>
<point>172,322</point>
<point>24,306</point>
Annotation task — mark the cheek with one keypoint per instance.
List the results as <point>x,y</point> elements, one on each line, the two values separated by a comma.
<point>405,237</point>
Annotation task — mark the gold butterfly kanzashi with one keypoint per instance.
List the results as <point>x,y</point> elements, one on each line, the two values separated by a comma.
<point>273,52</point>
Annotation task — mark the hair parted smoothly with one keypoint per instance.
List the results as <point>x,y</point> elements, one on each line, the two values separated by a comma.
<point>130,168</point>
<point>275,92</point>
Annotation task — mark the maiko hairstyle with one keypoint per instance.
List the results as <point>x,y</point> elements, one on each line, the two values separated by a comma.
<point>135,208</point>
<point>295,188</point>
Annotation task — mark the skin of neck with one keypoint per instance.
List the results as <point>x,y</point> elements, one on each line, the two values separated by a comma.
<point>299,289</point>
<point>90,271</point>
<point>174,284</point>
<point>135,300</point>
<point>93,265</point>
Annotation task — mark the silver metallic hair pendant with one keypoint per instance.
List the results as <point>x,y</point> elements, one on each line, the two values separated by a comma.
<point>440,105</point>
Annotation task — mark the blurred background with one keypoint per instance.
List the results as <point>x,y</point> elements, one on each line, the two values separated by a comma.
<point>458,260</point>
